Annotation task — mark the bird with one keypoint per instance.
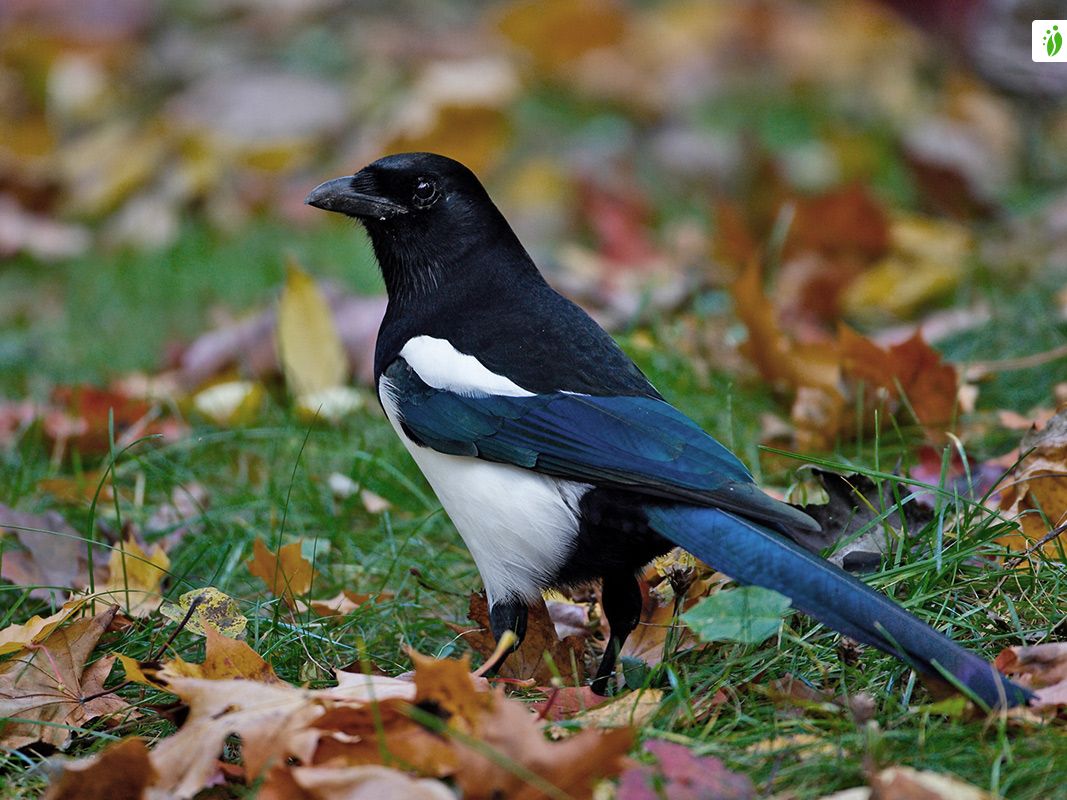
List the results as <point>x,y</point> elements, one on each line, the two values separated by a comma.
<point>555,457</point>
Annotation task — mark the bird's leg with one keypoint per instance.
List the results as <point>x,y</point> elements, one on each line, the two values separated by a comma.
<point>508,615</point>
<point>621,599</point>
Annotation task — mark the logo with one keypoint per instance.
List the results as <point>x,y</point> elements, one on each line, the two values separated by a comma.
<point>1046,40</point>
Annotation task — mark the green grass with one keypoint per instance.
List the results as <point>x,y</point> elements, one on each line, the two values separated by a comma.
<point>270,481</point>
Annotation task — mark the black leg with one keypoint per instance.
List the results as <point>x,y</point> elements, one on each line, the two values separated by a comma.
<point>509,615</point>
<point>621,599</point>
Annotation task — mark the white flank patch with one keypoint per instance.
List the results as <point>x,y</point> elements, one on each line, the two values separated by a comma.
<point>519,525</point>
<point>442,366</point>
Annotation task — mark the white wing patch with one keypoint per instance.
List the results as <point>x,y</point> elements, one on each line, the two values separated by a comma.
<point>519,525</point>
<point>442,366</point>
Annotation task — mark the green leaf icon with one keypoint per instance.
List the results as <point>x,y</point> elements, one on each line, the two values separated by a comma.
<point>1054,43</point>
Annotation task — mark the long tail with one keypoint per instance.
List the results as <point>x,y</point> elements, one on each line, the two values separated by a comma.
<point>752,554</point>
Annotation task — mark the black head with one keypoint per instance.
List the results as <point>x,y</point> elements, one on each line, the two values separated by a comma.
<point>429,219</point>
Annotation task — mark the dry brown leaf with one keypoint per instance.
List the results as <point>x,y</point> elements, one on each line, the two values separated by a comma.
<point>633,709</point>
<point>121,771</point>
<point>225,659</point>
<point>266,716</point>
<point>1041,667</point>
<point>1035,494</point>
<point>573,766</point>
<point>905,783</point>
<point>659,602</point>
<point>53,558</point>
<point>135,578</point>
<point>344,602</point>
<point>36,629</point>
<point>369,782</point>
<point>827,377</point>
<point>529,662</point>
<point>286,573</point>
<point>43,691</point>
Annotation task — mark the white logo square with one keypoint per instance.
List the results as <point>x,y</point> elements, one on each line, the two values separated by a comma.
<point>1047,39</point>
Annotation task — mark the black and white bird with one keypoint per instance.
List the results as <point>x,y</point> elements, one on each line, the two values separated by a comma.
<point>557,460</point>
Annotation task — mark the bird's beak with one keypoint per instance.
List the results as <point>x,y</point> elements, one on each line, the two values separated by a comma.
<point>348,196</point>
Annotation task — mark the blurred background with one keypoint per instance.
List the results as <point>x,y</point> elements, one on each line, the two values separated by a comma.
<point>896,165</point>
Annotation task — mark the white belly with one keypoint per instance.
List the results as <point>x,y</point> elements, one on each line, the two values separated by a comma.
<point>519,525</point>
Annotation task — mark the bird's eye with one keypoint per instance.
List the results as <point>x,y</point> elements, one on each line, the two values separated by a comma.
<point>426,193</point>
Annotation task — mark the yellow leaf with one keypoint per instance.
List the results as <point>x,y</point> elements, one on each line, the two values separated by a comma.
<point>17,637</point>
<point>328,405</point>
<point>309,347</point>
<point>135,578</point>
<point>634,709</point>
<point>229,403</point>
<point>286,573</point>
<point>225,659</point>
<point>133,671</point>
<point>213,610</point>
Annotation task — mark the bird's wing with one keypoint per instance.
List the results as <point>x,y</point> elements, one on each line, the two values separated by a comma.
<point>638,443</point>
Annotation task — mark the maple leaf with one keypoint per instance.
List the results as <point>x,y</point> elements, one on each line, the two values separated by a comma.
<point>18,637</point>
<point>53,557</point>
<point>135,578</point>
<point>264,715</point>
<point>224,659</point>
<point>286,573</point>
<point>43,692</point>
<point>541,643</point>
<point>121,771</point>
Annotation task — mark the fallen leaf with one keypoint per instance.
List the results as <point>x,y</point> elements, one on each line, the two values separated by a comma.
<point>926,262</point>
<point>210,609</point>
<point>265,716</point>
<point>344,602</point>
<point>905,783</point>
<point>54,555</point>
<point>43,692</point>
<point>566,702</point>
<point>121,771</point>
<point>230,403</point>
<point>135,578</point>
<point>680,775</point>
<point>856,503</point>
<point>1035,493</point>
<point>35,630</point>
<point>746,614</point>
<point>369,782</point>
<point>633,709</point>
<point>808,743</point>
<point>308,345</point>
<point>674,572</point>
<point>248,347</point>
<point>225,659</point>
<point>529,661</point>
<point>1041,667</point>
<point>286,573</point>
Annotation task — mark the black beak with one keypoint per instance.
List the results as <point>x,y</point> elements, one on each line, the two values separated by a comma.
<point>341,195</point>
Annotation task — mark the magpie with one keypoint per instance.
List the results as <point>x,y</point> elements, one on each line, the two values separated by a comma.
<point>557,460</point>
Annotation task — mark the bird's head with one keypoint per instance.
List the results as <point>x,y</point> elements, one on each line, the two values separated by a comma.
<point>424,213</point>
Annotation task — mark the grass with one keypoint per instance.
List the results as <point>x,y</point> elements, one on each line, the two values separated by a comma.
<point>270,481</point>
